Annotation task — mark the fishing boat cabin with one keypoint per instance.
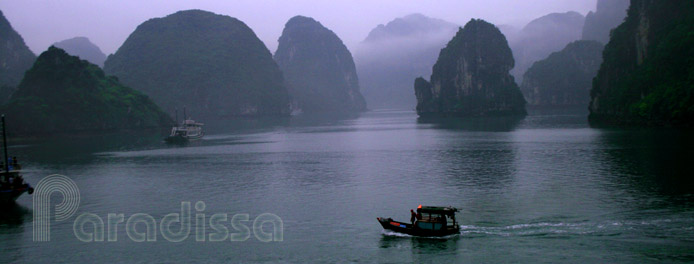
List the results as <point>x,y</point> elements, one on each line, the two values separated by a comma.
<point>430,221</point>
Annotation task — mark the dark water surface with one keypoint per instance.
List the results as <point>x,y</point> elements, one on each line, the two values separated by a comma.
<point>544,189</point>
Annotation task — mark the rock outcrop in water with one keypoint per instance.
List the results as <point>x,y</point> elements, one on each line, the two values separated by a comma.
<point>565,77</point>
<point>212,64</point>
<point>647,75</point>
<point>471,76</point>
<point>542,36</point>
<point>608,15</point>
<point>83,48</point>
<point>15,58</point>
<point>394,54</point>
<point>63,94</point>
<point>318,69</point>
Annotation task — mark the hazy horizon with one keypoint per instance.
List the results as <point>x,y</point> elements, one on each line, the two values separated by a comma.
<point>108,24</point>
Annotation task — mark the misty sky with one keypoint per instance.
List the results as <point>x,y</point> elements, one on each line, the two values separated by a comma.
<point>108,23</point>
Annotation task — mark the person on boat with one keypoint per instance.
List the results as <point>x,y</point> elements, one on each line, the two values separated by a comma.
<point>413,215</point>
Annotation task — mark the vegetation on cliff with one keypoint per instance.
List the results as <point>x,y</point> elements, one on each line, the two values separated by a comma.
<point>647,76</point>
<point>63,94</point>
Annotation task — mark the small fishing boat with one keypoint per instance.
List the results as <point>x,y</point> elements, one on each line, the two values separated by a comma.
<point>186,131</point>
<point>431,221</point>
<point>12,184</point>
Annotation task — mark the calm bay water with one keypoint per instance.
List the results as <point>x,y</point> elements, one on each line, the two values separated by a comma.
<point>547,188</point>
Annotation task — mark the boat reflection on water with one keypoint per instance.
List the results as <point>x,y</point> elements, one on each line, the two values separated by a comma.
<point>423,248</point>
<point>15,222</point>
<point>13,216</point>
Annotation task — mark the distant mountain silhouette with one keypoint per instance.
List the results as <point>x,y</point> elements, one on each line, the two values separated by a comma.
<point>318,68</point>
<point>392,55</point>
<point>607,16</point>
<point>542,36</point>
<point>15,58</point>
<point>214,65</point>
<point>565,77</point>
<point>412,25</point>
<point>83,48</point>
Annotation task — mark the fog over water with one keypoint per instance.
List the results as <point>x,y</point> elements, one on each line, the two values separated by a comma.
<point>108,23</point>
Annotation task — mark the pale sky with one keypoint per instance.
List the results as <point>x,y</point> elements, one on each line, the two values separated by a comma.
<point>108,23</point>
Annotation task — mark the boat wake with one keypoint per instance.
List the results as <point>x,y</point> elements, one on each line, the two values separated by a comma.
<point>532,229</point>
<point>389,233</point>
<point>560,229</point>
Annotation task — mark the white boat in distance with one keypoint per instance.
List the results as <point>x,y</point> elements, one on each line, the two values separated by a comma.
<point>186,131</point>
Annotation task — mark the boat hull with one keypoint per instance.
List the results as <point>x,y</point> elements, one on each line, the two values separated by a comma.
<point>182,139</point>
<point>195,137</point>
<point>10,196</point>
<point>410,229</point>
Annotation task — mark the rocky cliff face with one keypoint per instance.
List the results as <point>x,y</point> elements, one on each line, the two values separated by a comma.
<point>543,36</point>
<point>15,56</point>
<point>608,15</point>
<point>318,68</point>
<point>394,54</point>
<point>471,76</point>
<point>212,64</point>
<point>63,94</point>
<point>565,77</point>
<point>647,77</point>
<point>83,48</point>
<point>6,92</point>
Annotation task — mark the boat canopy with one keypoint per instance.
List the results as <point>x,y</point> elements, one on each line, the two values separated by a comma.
<point>447,210</point>
<point>192,123</point>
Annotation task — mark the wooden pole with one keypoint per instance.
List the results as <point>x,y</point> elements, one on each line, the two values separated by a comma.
<point>4,142</point>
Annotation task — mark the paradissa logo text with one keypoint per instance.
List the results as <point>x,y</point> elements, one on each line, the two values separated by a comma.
<point>142,227</point>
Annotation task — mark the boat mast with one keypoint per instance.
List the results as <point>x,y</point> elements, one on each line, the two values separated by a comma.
<point>184,114</point>
<point>176,110</point>
<point>4,143</point>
